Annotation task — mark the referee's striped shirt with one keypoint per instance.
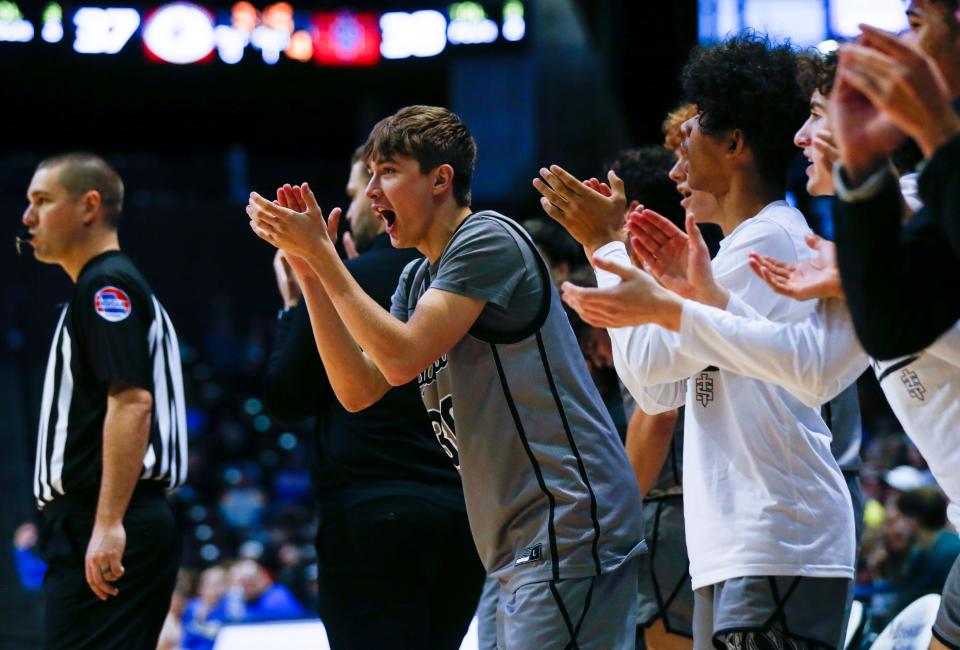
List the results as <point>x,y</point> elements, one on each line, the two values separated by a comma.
<point>113,329</point>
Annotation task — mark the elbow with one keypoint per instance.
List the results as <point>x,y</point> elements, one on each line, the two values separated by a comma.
<point>355,404</point>
<point>401,374</point>
<point>358,399</point>
<point>133,399</point>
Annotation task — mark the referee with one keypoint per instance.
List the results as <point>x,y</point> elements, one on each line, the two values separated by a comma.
<point>112,434</point>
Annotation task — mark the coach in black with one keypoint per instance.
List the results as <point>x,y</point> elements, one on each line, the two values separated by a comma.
<point>112,434</point>
<point>398,568</point>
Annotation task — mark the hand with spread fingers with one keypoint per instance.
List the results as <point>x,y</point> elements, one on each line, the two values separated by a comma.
<point>818,277</point>
<point>680,261</point>
<point>903,83</point>
<point>102,565</point>
<point>583,208</point>
<point>300,228</point>
<point>636,300</point>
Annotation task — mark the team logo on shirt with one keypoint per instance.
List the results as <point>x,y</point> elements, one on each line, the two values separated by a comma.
<point>912,383</point>
<point>429,375</point>
<point>112,304</point>
<point>704,388</point>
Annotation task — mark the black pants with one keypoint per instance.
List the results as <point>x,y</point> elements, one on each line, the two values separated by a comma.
<point>75,618</point>
<point>398,574</point>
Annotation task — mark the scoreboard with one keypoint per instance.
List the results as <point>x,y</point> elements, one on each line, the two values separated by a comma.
<point>185,33</point>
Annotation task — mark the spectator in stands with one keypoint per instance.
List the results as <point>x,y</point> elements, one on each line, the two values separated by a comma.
<point>918,554</point>
<point>253,597</point>
<point>200,625</point>
<point>30,567</point>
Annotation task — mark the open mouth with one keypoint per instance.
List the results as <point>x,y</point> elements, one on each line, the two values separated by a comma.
<point>389,216</point>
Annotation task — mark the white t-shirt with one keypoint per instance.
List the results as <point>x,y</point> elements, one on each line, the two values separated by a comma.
<point>763,495</point>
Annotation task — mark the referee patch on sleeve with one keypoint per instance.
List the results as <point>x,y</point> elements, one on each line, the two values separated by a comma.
<point>112,304</point>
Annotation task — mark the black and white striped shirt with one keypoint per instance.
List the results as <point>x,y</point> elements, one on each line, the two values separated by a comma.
<point>113,329</point>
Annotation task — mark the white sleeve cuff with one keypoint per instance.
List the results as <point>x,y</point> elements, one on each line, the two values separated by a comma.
<point>690,315</point>
<point>866,190</point>
<point>739,307</point>
<point>614,251</point>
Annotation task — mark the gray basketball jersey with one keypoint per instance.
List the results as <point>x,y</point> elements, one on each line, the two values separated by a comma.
<point>549,490</point>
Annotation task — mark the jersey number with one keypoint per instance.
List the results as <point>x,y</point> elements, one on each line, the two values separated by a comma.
<point>445,428</point>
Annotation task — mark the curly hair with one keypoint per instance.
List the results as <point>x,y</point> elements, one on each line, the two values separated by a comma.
<point>433,136</point>
<point>672,137</point>
<point>645,173</point>
<point>750,84</point>
<point>817,71</point>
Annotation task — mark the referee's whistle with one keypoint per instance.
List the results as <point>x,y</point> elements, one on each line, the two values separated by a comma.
<point>23,238</point>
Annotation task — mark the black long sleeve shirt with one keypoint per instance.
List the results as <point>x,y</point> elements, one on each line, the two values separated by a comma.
<point>901,282</point>
<point>940,189</point>
<point>388,449</point>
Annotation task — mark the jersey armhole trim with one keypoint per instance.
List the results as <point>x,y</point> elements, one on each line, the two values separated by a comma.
<point>491,335</point>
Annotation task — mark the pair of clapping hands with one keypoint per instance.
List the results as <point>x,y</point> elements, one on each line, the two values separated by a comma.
<point>295,208</point>
<point>887,89</point>
<point>670,264</point>
<point>294,223</point>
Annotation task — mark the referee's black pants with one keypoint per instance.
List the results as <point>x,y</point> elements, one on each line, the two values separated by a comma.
<point>75,618</point>
<point>397,574</point>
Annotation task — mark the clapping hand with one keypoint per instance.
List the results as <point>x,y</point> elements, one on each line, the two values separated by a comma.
<point>679,260</point>
<point>636,300</point>
<point>905,84</point>
<point>299,228</point>
<point>818,277</point>
<point>591,211</point>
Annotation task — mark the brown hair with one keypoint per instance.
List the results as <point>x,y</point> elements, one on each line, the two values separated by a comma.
<point>82,172</point>
<point>432,136</point>
<point>817,71</point>
<point>671,125</point>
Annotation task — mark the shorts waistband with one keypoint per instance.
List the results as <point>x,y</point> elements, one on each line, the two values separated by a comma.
<point>85,500</point>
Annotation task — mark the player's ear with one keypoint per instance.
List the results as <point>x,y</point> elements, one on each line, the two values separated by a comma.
<point>89,206</point>
<point>442,179</point>
<point>735,142</point>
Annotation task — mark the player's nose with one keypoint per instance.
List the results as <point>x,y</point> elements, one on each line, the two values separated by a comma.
<point>372,190</point>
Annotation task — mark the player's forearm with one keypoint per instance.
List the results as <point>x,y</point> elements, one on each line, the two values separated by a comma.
<point>126,431</point>
<point>384,339</point>
<point>814,359</point>
<point>355,379</point>
<point>648,443</point>
<point>645,355</point>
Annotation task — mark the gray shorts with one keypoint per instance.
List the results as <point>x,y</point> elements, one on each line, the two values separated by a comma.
<point>487,615</point>
<point>947,627</point>
<point>664,591</point>
<point>781,611</point>
<point>581,613</point>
